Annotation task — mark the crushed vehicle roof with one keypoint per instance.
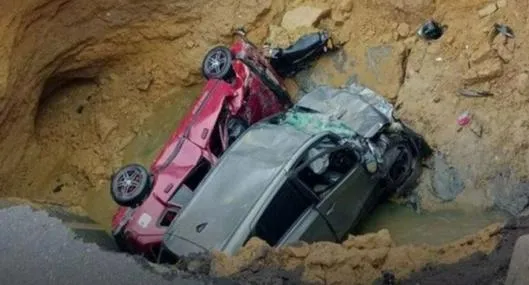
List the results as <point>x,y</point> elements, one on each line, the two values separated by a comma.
<point>360,108</point>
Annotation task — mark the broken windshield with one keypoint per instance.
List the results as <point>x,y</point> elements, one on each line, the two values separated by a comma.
<point>313,123</point>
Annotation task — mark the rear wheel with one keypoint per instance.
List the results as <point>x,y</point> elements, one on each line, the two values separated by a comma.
<point>130,185</point>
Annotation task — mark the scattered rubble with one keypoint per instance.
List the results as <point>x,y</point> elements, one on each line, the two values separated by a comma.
<point>485,71</point>
<point>403,30</point>
<point>501,3</point>
<point>303,16</point>
<point>359,260</point>
<point>504,46</point>
<point>483,52</point>
<point>487,10</point>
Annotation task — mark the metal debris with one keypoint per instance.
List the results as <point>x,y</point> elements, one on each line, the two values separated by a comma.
<point>431,30</point>
<point>474,93</point>
<point>504,30</point>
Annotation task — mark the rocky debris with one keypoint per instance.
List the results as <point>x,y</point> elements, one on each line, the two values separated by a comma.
<point>144,83</point>
<point>487,10</point>
<point>346,6</point>
<point>446,181</point>
<point>303,16</point>
<point>483,52</point>
<point>105,126</point>
<point>403,30</point>
<point>501,3</point>
<point>281,37</point>
<point>359,260</point>
<point>504,46</point>
<point>518,273</point>
<point>485,71</point>
<point>342,12</point>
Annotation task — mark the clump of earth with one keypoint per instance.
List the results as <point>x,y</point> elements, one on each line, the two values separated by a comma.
<point>79,78</point>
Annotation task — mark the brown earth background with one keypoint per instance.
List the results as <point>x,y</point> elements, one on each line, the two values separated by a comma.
<point>78,78</point>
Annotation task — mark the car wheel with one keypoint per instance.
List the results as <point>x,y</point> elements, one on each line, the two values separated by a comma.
<point>217,64</point>
<point>130,185</point>
<point>236,127</point>
<point>402,169</point>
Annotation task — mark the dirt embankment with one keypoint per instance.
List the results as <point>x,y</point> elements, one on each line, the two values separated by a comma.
<point>78,78</point>
<point>359,260</point>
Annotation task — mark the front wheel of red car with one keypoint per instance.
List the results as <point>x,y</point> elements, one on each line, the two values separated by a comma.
<point>217,64</point>
<point>130,185</point>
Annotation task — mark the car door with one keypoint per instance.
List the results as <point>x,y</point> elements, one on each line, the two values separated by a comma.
<point>343,199</point>
<point>311,226</point>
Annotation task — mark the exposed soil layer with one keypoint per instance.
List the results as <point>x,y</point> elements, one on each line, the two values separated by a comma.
<point>359,260</point>
<point>78,78</point>
<point>71,101</point>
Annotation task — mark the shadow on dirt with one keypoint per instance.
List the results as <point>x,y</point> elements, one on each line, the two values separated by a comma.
<point>477,268</point>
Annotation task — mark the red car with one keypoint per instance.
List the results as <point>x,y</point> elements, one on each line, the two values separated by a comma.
<point>242,88</point>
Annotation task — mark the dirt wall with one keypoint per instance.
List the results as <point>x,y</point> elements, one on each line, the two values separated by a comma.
<point>359,260</point>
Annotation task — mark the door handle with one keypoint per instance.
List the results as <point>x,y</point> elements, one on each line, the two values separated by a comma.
<point>331,209</point>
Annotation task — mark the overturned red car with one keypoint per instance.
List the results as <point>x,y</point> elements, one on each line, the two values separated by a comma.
<point>242,88</point>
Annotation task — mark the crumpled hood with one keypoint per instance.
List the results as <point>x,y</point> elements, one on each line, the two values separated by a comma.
<point>360,108</point>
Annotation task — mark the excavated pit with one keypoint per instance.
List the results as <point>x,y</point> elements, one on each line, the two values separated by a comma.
<point>83,85</point>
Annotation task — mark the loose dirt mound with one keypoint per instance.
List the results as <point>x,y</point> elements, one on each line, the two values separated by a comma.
<point>359,260</point>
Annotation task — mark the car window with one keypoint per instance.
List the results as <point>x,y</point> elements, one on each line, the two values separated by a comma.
<point>282,212</point>
<point>324,165</point>
<point>183,194</point>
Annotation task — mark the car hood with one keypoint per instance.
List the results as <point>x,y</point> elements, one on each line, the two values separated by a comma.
<point>360,108</point>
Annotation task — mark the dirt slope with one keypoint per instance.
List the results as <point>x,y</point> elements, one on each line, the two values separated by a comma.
<point>78,78</point>
<point>359,260</point>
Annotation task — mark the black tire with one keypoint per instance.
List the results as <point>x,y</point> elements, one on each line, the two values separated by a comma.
<point>236,127</point>
<point>403,172</point>
<point>217,64</point>
<point>130,185</point>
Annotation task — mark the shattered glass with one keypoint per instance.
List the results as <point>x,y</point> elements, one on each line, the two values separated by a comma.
<point>360,108</point>
<point>314,123</point>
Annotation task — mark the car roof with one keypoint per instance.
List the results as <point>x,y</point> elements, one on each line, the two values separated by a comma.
<point>360,108</point>
<point>229,192</point>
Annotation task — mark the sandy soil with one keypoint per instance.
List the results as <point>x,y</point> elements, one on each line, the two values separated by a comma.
<point>70,102</point>
<point>359,260</point>
<point>78,78</point>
